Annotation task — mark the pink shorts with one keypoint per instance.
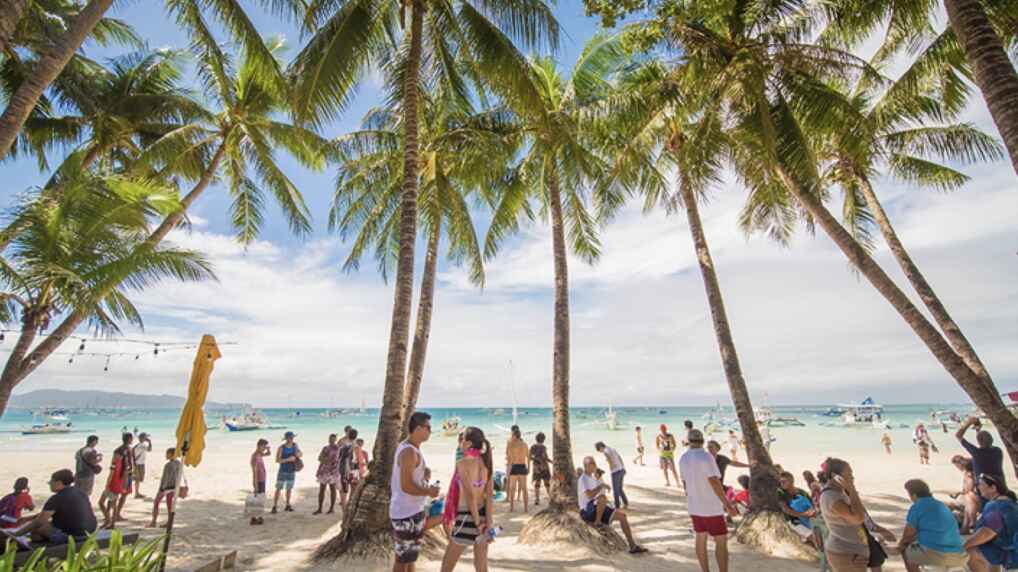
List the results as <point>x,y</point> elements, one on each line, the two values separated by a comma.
<point>712,525</point>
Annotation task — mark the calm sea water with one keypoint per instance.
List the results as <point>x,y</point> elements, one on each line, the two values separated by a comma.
<point>587,425</point>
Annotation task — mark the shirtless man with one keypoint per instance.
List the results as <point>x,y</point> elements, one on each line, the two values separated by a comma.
<point>517,456</point>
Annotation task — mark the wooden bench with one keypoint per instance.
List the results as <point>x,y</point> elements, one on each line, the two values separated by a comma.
<point>60,550</point>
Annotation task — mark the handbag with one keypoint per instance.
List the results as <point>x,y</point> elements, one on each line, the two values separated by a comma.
<point>298,465</point>
<point>877,553</point>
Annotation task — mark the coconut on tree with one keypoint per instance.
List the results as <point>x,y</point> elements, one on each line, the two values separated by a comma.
<point>346,39</point>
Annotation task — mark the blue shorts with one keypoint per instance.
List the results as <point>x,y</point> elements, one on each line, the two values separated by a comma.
<point>285,480</point>
<point>57,536</point>
<point>589,513</point>
<point>995,555</point>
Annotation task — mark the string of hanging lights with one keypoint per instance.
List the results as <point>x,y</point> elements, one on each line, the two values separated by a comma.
<point>161,347</point>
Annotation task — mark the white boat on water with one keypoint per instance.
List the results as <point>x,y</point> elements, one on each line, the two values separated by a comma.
<point>47,429</point>
<point>451,426</point>
<point>866,413</point>
<point>252,420</point>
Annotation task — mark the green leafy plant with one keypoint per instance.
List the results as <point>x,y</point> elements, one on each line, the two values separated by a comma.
<point>89,557</point>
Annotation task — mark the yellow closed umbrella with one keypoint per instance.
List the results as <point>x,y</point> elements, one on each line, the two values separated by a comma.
<point>191,429</point>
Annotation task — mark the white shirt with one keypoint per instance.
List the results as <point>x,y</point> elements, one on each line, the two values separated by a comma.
<point>733,442</point>
<point>584,484</point>
<point>140,452</point>
<point>696,466</point>
<point>615,463</point>
<point>401,504</point>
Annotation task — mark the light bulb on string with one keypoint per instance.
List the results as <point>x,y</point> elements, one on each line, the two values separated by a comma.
<point>81,348</point>
<point>107,366</point>
<point>70,359</point>
<point>155,352</point>
<point>136,357</point>
<point>1,336</point>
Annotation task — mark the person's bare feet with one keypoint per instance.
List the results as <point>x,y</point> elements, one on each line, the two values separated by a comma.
<point>151,524</point>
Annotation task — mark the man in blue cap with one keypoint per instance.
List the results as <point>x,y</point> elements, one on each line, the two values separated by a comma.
<point>288,457</point>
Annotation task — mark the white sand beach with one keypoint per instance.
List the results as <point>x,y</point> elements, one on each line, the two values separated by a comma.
<point>211,522</point>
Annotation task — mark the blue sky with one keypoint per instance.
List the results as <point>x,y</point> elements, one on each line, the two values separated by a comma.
<point>808,330</point>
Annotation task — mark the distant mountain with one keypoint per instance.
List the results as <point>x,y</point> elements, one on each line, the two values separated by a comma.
<point>104,399</point>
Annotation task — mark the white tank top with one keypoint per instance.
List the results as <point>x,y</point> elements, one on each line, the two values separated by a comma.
<point>401,504</point>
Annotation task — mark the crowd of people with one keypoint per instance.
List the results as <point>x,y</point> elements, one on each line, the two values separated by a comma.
<point>977,528</point>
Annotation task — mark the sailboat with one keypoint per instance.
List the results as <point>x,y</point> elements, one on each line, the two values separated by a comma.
<point>516,412</point>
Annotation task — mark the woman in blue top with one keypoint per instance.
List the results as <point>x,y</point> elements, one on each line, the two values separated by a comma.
<point>931,536</point>
<point>992,543</point>
<point>288,456</point>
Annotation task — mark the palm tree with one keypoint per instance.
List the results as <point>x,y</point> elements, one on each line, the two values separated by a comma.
<point>458,148</point>
<point>556,170</point>
<point>188,13</point>
<point>23,101</point>
<point>655,130</point>
<point>348,36</point>
<point>115,112</point>
<point>904,128</point>
<point>237,142</point>
<point>982,31</point>
<point>80,256</point>
<point>771,83</point>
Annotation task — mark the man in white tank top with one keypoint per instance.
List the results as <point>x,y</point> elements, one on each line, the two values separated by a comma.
<point>410,493</point>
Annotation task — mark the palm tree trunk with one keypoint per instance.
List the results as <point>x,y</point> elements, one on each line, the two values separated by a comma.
<point>368,510</point>
<point>419,351</point>
<point>16,362</point>
<point>982,394</point>
<point>18,370</point>
<point>930,299</point>
<point>764,482</point>
<point>564,477</point>
<point>991,67</point>
<point>11,12</point>
<point>46,70</point>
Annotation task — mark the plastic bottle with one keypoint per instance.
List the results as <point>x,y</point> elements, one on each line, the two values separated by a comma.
<point>493,532</point>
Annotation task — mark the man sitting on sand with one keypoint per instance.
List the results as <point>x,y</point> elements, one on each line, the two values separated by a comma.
<point>68,513</point>
<point>796,505</point>
<point>931,536</point>
<point>706,501</point>
<point>594,507</point>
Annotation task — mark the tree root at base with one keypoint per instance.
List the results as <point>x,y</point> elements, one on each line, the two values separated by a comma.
<point>770,533</point>
<point>376,546</point>
<point>554,525</point>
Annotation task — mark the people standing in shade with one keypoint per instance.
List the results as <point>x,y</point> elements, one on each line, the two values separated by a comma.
<point>472,491</point>
<point>594,507</point>
<point>666,445</point>
<point>846,546</point>
<point>328,474</point>
<point>714,448</point>
<point>87,465</point>
<point>706,501</point>
<point>638,459</point>
<point>517,456</point>
<point>140,451</point>
<point>540,468</point>
<point>886,442</point>
<point>733,445</point>
<point>618,473</point>
<point>409,493</point>
<point>118,484</point>
<point>67,514</point>
<point>347,462</point>
<point>362,459</point>
<point>167,485</point>
<point>986,458</point>
<point>931,536</point>
<point>288,455</point>
<point>15,503</point>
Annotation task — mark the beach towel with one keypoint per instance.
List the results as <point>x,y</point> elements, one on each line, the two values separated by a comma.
<point>452,498</point>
